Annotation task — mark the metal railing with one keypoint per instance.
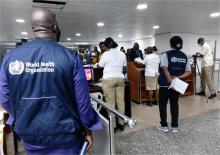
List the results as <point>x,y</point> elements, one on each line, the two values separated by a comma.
<point>131,122</point>
<point>113,113</point>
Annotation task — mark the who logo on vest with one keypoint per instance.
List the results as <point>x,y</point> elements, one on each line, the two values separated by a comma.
<point>16,67</point>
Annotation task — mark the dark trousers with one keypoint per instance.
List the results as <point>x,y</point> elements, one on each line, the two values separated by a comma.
<point>173,96</point>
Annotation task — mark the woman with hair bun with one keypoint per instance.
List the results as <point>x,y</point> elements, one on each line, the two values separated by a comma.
<point>113,61</point>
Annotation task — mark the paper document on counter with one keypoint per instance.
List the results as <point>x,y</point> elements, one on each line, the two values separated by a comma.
<point>179,85</point>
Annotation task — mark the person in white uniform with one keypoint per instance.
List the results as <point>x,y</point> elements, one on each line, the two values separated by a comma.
<point>207,68</point>
<point>151,62</point>
<point>113,81</point>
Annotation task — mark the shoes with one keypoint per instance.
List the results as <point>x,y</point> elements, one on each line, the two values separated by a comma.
<point>115,130</point>
<point>161,128</point>
<point>155,103</point>
<point>174,129</point>
<point>212,96</point>
<point>149,103</point>
<point>120,127</point>
<point>202,93</point>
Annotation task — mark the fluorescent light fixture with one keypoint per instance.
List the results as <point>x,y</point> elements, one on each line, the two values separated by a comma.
<point>156,27</point>
<point>68,39</point>
<point>142,6</point>
<point>100,24</point>
<point>24,33</point>
<point>149,36</point>
<point>215,14</point>
<point>26,38</point>
<point>78,34</point>
<point>82,43</point>
<point>120,35</point>
<point>20,20</point>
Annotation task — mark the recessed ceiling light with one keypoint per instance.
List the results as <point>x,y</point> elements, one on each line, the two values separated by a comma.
<point>142,6</point>
<point>156,27</point>
<point>100,24</point>
<point>24,33</point>
<point>78,34</point>
<point>20,20</point>
<point>68,39</point>
<point>120,35</point>
<point>215,14</point>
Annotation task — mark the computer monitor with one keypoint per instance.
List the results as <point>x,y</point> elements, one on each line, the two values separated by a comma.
<point>88,72</point>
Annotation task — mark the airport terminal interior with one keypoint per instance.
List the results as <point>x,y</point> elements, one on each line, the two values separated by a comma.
<point>143,31</point>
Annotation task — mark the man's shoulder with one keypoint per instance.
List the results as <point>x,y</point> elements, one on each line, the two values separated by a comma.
<point>206,46</point>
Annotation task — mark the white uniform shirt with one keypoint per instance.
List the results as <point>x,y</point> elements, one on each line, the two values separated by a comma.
<point>113,62</point>
<point>151,62</point>
<point>207,59</point>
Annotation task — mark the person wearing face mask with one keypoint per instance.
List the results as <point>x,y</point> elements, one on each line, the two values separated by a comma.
<point>207,68</point>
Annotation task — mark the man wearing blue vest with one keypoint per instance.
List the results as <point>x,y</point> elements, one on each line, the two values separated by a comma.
<point>44,89</point>
<point>174,63</point>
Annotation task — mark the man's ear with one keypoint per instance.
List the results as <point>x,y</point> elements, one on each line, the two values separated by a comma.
<point>57,31</point>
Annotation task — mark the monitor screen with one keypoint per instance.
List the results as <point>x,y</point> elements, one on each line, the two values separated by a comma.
<point>88,72</point>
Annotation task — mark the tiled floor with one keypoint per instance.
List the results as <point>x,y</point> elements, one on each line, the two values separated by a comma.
<point>147,117</point>
<point>198,135</point>
<point>188,106</point>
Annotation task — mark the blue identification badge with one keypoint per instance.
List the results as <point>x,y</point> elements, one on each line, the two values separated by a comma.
<point>84,147</point>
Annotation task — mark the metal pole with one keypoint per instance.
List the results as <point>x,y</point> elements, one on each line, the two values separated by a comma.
<point>131,122</point>
<point>111,131</point>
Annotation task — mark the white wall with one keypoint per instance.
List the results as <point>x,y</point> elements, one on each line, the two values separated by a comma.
<point>144,43</point>
<point>190,45</point>
<point>162,42</point>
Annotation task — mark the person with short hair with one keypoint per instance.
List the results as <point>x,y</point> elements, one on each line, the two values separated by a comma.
<point>103,49</point>
<point>95,55</point>
<point>122,49</point>
<point>44,89</point>
<point>207,68</point>
<point>134,52</point>
<point>174,64</point>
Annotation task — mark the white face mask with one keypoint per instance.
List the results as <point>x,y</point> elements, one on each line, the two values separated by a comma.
<point>200,45</point>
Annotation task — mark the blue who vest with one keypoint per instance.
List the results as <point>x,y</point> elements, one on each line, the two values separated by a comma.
<point>42,100</point>
<point>177,61</point>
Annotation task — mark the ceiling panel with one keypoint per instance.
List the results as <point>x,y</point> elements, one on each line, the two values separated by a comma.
<point>119,16</point>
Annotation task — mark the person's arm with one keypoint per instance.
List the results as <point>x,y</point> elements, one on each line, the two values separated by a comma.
<point>184,75</point>
<point>125,68</point>
<point>167,74</point>
<point>164,65</point>
<point>5,94</point>
<point>102,61</point>
<point>187,71</point>
<point>203,51</point>
<point>89,118</point>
